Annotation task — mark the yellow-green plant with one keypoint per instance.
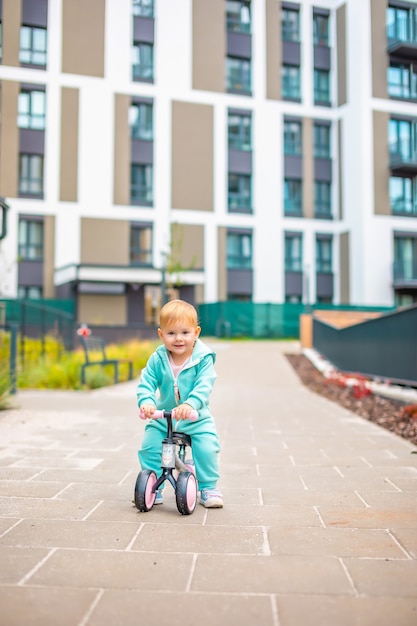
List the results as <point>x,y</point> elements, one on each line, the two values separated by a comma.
<point>56,369</point>
<point>4,386</point>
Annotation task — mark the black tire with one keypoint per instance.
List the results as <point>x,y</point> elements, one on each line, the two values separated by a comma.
<point>186,493</point>
<point>144,496</point>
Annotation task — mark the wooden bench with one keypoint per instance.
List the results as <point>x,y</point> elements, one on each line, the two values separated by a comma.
<point>93,348</point>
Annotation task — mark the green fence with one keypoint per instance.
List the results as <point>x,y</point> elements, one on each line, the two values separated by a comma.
<point>40,318</point>
<point>262,320</point>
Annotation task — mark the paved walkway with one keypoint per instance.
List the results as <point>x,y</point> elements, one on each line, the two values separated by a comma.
<point>319,525</point>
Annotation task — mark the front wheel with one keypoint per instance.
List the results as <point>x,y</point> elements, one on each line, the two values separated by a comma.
<point>186,493</point>
<point>144,492</point>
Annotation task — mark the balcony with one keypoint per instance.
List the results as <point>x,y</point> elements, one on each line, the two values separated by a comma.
<point>403,161</point>
<point>405,275</point>
<point>402,39</point>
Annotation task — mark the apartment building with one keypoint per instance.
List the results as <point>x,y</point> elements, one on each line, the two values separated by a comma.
<point>208,149</point>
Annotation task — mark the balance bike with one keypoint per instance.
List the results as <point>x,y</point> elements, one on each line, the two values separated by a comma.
<point>185,485</point>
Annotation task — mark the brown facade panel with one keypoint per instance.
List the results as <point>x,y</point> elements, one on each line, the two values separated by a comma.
<point>48,256</point>
<point>187,246</point>
<point>102,309</point>
<point>273,49</point>
<point>381,163</point>
<point>344,268</point>
<point>379,48</point>
<point>341,55</point>
<point>11,20</point>
<point>121,150</point>
<point>9,139</point>
<point>104,242</point>
<point>192,156</point>
<point>68,191</point>
<point>308,168</point>
<point>209,45</point>
<point>222,263</point>
<point>83,37</point>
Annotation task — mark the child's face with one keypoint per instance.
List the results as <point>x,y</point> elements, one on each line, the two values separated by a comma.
<point>179,338</point>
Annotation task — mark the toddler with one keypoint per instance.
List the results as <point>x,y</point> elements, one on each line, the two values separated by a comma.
<point>180,374</point>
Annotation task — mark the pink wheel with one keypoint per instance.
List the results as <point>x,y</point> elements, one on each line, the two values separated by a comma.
<point>144,493</point>
<point>186,493</point>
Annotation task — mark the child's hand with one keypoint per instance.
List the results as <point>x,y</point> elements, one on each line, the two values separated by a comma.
<point>183,412</point>
<point>147,410</point>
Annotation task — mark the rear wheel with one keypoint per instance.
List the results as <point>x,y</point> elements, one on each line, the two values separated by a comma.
<point>186,493</point>
<point>144,493</point>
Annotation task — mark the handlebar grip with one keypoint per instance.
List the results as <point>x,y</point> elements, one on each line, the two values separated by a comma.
<point>159,414</point>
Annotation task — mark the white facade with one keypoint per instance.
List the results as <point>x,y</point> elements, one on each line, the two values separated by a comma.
<point>371,235</point>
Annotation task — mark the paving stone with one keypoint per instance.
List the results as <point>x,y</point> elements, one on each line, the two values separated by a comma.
<point>345,611</point>
<point>34,606</point>
<point>283,574</point>
<point>173,609</point>
<point>217,539</point>
<point>106,569</point>
<point>71,534</point>
<point>367,517</point>
<point>358,542</point>
<point>384,577</point>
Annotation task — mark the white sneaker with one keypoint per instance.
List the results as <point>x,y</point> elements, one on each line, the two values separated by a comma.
<point>211,498</point>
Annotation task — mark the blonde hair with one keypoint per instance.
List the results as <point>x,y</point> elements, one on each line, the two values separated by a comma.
<point>177,310</point>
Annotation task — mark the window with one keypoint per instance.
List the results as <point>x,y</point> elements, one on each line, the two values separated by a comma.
<point>143,8</point>
<point>239,131</point>
<point>405,258</point>
<point>291,82</point>
<point>402,139</point>
<point>402,81</point>
<point>293,253</point>
<point>322,141</point>
<point>321,87</point>
<point>292,196</point>
<point>31,174</point>
<point>32,46</point>
<point>239,250</point>
<point>323,255</point>
<point>141,186</point>
<point>320,29</point>
<point>238,74</point>
<point>292,138</point>
<point>402,24</point>
<point>142,62</point>
<point>30,240</point>
<point>29,293</point>
<point>141,121</point>
<point>322,199</point>
<point>290,21</point>
<point>403,195</point>
<point>31,109</point>
<point>239,193</point>
<point>141,245</point>
<point>238,16</point>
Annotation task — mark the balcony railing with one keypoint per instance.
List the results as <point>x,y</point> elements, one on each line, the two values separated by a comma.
<point>239,202</point>
<point>405,274</point>
<point>402,38</point>
<point>403,160</point>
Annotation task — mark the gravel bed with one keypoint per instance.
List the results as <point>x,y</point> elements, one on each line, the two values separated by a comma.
<point>390,414</point>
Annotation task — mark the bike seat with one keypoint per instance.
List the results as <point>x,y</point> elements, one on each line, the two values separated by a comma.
<point>181,439</point>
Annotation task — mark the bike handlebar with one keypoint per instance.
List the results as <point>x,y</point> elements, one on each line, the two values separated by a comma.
<point>159,414</point>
